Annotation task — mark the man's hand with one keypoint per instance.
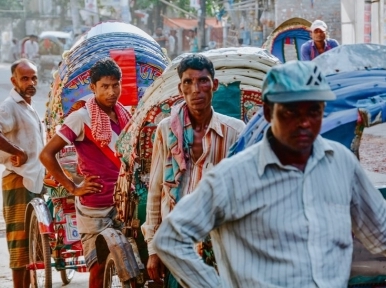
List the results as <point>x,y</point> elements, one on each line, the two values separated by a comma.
<point>20,159</point>
<point>87,186</point>
<point>155,268</point>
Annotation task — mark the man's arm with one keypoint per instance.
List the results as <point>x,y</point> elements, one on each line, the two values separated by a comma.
<point>192,219</point>
<point>333,43</point>
<point>49,160</point>
<point>19,156</point>
<point>368,213</point>
<point>305,52</point>
<point>153,207</point>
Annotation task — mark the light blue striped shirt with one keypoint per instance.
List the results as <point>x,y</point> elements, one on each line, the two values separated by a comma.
<point>273,225</point>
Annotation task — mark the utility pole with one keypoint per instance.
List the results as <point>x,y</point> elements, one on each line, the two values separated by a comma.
<point>125,12</point>
<point>76,26</point>
<point>24,20</point>
<point>201,26</point>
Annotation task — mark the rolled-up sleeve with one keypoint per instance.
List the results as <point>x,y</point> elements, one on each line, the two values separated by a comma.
<point>190,221</point>
<point>153,208</point>
<point>368,212</point>
<point>6,119</point>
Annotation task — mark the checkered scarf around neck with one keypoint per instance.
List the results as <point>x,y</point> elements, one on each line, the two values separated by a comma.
<point>179,141</point>
<point>100,121</point>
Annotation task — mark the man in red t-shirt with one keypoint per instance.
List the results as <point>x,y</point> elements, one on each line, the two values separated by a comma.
<point>93,130</point>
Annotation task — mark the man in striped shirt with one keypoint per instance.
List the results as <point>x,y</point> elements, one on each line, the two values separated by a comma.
<point>186,145</point>
<point>280,213</point>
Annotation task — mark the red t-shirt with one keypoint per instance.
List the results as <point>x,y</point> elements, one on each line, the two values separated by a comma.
<point>91,160</point>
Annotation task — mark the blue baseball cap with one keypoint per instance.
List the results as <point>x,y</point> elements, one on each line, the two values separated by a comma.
<point>296,81</point>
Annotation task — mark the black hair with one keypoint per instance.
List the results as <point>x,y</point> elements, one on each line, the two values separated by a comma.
<point>19,61</point>
<point>195,62</point>
<point>105,67</point>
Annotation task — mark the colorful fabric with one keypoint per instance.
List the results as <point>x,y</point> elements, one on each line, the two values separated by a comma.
<point>100,121</point>
<point>15,200</point>
<point>268,219</point>
<point>309,51</point>
<point>91,159</point>
<point>179,141</point>
<point>222,132</point>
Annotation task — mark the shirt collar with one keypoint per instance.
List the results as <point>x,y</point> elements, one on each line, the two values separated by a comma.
<point>16,96</point>
<point>313,43</point>
<point>215,124</point>
<point>321,148</point>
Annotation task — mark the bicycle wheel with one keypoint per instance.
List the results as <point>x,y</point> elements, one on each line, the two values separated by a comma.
<point>67,275</point>
<point>111,279</point>
<point>39,255</point>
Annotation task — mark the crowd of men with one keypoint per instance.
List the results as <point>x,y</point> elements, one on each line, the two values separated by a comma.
<point>286,206</point>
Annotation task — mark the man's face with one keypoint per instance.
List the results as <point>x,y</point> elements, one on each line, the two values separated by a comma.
<point>158,32</point>
<point>25,79</point>
<point>107,91</point>
<point>295,125</point>
<point>197,87</point>
<point>318,35</point>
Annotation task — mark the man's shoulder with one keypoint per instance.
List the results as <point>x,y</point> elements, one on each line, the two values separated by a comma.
<point>165,121</point>
<point>79,115</point>
<point>230,121</point>
<point>338,149</point>
<point>164,124</point>
<point>332,42</point>
<point>307,44</point>
<point>7,106</point>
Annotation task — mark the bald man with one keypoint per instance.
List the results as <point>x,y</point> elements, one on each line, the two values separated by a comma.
<point>21,140</point>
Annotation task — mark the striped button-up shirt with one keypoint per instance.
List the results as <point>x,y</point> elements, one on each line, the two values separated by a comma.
<point>273,225</point>
<point>222,132</point>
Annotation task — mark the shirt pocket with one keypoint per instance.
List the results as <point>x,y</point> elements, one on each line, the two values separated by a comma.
<point>338,226</point>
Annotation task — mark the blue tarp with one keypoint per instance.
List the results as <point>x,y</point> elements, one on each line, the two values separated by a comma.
<point>364,89</point>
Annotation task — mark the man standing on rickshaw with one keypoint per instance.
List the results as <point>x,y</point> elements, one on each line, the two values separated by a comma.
<point>93,130</point>
<point>187,145</point>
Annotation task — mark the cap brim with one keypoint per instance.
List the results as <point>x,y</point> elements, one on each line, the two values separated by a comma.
<point>320,28</point>
<point>286,97</point>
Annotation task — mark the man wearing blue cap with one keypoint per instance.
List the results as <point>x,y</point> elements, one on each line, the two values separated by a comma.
<point>319,43</point>
<point>281,212</point>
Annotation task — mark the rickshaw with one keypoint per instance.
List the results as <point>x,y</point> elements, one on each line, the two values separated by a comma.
<point>52,45</point>
<point>54,238</point>
<point>286,40</point>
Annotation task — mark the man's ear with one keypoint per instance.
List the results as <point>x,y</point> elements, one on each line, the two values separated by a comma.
<point>13,80</point>
<point>92,87</point>
<point>179,89</point>
<point>267,109</point>
<point>215,84</point>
